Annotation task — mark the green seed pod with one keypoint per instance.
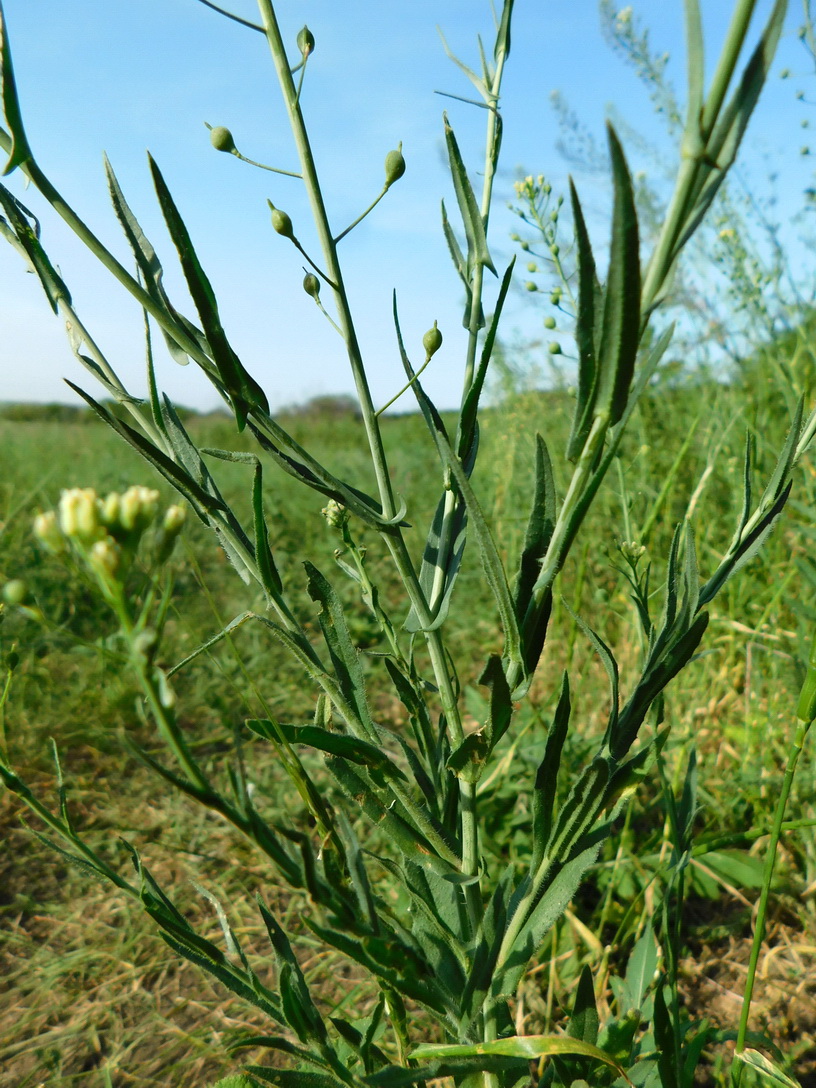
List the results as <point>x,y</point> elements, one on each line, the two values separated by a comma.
<point>555,296</point>
<point>554,348</point>
<point>432,341</point>
<point>15,592</point>
<point>549,322</point>
<point>555,249</point>
<point>530,286</point>
<point>221,139</point>
<point>394,166</point>
<point>305,41</point>
<point>311,284</point>
<point>532,266</point>
<point>281,223</point>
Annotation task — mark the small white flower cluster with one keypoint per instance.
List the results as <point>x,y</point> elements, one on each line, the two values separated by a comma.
<point>101,529</point>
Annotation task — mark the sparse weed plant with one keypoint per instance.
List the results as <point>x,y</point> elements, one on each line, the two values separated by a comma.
<point>397,843</point>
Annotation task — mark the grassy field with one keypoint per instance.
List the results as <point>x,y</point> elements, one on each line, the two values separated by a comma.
<point>91,997</point>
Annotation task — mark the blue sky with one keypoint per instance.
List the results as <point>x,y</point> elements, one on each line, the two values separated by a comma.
<point>123,78</point>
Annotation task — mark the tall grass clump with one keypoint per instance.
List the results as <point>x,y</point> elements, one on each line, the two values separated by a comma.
<point>393,847</point>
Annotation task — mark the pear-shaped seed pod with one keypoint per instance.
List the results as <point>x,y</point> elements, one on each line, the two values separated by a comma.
<point>311,284</point>
<point>305,41</point>
<point>15,591</point>
<point>281,223</point>
<point>221,139</point>
<point>432,341</point>
<point>394,166</point>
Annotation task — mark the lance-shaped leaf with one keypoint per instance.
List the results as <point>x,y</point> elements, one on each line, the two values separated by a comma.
<point>20,150</point>
<point>28,241</point>
<point>546,780</point>
<point>243,390</point>
<point>263,552</point>
<point>337,744</point>
<point>298,1007</point>
<point>620,329</point>
<point>467,421</point>
<point>461,267</point>
<point>408,839</point>
<point>343,653</point>
<point>587,330</point>
<point>468,760</point>
<point>151,270</point>
<point>288,1078</point>
<point>527,1047</point>
<point>478,252</point>
<point>488,941</point>
<point>431,567</point>
<point>560,891</point>
<point>540,525</point>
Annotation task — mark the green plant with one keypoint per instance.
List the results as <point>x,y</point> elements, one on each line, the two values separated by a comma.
<point>390,846</point>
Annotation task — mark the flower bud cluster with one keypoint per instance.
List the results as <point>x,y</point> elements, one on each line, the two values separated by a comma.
<point>335,514</point>
<point>105,530</point>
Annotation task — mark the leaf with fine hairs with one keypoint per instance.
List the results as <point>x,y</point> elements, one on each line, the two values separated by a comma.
<point>263,551</point>
<point>430,563</point>
<point>640,969</point>
<point>771,1072</point>
<point>527,1047</point>
<point>468,760</point>
<point>337,744</point>
<point>584,1022</point>
<point>289,1078</point>
<point>299,1009</point>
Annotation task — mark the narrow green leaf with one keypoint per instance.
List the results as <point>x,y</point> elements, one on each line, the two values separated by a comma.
<point>467,420</point>
<point>546,781</point>
<point>343,653</point>
<point>586,321</point>
<point>430,563</point>
<point>173,473</point>
<point>560,891</point>
<point>27,240</point>
<point>621,313</point>
<point>488,941</point>
<point>640,970</point>
<point>766,1068</point>
<point>20,150</point>
<point>468,760</point>
<point>520,1046</point>
<point>299,1009</point>
<point>478,252</point>
<point>263,552</point>
<point>358,751</point>
<point>244,391</point>
<point>584,1022</point>
<point>461,267</point>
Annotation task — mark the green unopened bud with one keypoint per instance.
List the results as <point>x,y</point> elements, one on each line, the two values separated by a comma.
<point>311,284</point>
<point>105,557</point>
<point>394,166</point>
<point>15,592</point>
<point>432,341</point>
<point>632,550</point>
<point>111,509</point>
<point>554,348</point>
<point>138,508</point>
<point>555,296</point>
<point>335,514</point>
<point>48,532</point>
<point>555,249</point>
<point>79,514</point>
<point>305,42</point>
<point>174,519</point>
<point>549,322</point>
<point>221,139</point>
<point>281,223</point>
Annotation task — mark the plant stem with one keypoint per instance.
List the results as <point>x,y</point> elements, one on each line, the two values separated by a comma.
<point>329,247</point>
<point>770,860</point>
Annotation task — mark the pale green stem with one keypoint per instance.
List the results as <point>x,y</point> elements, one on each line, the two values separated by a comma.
<point>770,861</point>
<point>361,217</point>
<point>329,248</point>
